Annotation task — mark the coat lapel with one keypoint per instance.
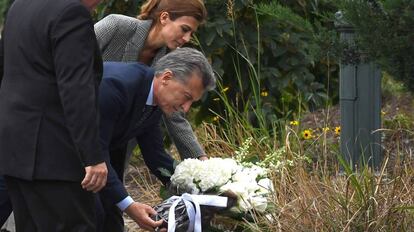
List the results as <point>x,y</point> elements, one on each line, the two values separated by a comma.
<point>137,41</point>
<point>140,100</point>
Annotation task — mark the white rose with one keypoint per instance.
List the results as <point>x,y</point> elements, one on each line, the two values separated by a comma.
<point>237,188</point>
<point>244,176</point>
<point>265,186</point>
<point>259,203</point>
<point>244,205</point>
<point>185,172</point>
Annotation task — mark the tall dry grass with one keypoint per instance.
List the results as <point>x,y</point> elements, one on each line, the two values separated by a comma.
<point>310,198</point>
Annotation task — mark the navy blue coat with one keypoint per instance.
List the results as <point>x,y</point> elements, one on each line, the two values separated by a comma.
<point>123,93</point>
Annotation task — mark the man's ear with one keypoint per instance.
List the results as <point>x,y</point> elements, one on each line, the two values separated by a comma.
<point>166,76</point>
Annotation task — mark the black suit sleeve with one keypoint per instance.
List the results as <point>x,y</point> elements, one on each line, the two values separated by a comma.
<point>73,46</point>
<point>1,59</point>
<point>152,148</point>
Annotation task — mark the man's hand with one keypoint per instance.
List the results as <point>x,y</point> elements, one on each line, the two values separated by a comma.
<point>95,177</point>
<point>141,213</point>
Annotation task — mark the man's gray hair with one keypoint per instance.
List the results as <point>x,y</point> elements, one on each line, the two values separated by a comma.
<point>183,62</point>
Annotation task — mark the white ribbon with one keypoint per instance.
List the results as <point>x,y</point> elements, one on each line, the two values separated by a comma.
<point>194,214</point>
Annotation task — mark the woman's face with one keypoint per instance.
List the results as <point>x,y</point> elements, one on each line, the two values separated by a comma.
<point>178,32</point>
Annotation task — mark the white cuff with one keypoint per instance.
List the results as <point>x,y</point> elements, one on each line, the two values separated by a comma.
<point>122,205</point>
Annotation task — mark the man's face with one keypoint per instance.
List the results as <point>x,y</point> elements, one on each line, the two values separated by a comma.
<point>172,95</point>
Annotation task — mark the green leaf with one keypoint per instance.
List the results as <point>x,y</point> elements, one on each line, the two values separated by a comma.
<point>210,38</point>
<point>164,193</point>
<point>165,172</point>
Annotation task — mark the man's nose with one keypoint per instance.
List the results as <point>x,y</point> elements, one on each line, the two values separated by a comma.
<point>186,106</point>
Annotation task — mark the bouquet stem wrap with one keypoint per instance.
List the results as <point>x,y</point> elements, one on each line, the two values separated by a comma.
<point>192,203</point>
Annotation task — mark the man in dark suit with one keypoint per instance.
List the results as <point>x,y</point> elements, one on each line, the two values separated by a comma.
<point>5,203</point>
<point>132,99</point>
<point>49,145</point>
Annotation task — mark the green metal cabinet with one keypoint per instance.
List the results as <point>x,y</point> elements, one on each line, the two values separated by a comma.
<point>360,104</point>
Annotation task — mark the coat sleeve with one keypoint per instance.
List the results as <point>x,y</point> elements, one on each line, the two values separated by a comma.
<point>183,136</point>
<point>105,29</point>
<point>1,59</point>
<point>73,47</point>
<point>152,148</point>
<point>112,98</point>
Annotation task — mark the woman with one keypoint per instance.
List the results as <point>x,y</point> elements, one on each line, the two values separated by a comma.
<point>162,25</point>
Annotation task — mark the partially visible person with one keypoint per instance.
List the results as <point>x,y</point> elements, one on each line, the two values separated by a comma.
<point>132,99</point>
<point>5,203</point>
<point>1,57</point>
<point>49,146</point>
<point>162,26</point>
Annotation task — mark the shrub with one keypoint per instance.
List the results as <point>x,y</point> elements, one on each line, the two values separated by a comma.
<point>385,33</point>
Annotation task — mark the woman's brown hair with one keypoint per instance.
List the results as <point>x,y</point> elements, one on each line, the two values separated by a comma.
<point>175,8</point>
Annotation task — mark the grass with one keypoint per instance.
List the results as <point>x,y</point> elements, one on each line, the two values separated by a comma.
<point>324,194</point>
<point>314,189</point>
<point>310,198</point>
<point>307,198</point>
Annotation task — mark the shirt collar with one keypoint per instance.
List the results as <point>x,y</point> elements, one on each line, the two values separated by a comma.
<point>150,98</point>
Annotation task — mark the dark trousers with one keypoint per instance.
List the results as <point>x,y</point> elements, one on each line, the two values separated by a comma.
<point>5,203</point>
<point>109,217</point>
<point>51,206</point>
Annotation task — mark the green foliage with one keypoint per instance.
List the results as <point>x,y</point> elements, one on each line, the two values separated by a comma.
<point>385,32</point>
<point>4,5</point>
<point>276,57</point>
<point>399,121</point>
<point>317,196</point>
<point>391,87</point>
<point>269,57</point>
<point>128,7</point>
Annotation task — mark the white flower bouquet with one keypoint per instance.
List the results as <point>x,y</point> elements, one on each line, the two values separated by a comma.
<point>245,188</point>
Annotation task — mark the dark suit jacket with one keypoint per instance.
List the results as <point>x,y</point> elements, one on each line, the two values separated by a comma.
<point>1,57</point>
<point>48,96</point>
<point>1,60</point>
<point>123,94</point>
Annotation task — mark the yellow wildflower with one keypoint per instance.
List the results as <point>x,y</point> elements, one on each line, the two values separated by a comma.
<point>226,89</point>
<point>338,130</point>
<point>294,123</point>
<point>216,118</point>
<point>325,129</point>
<point>307,134</point>
<point>264,93</point>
